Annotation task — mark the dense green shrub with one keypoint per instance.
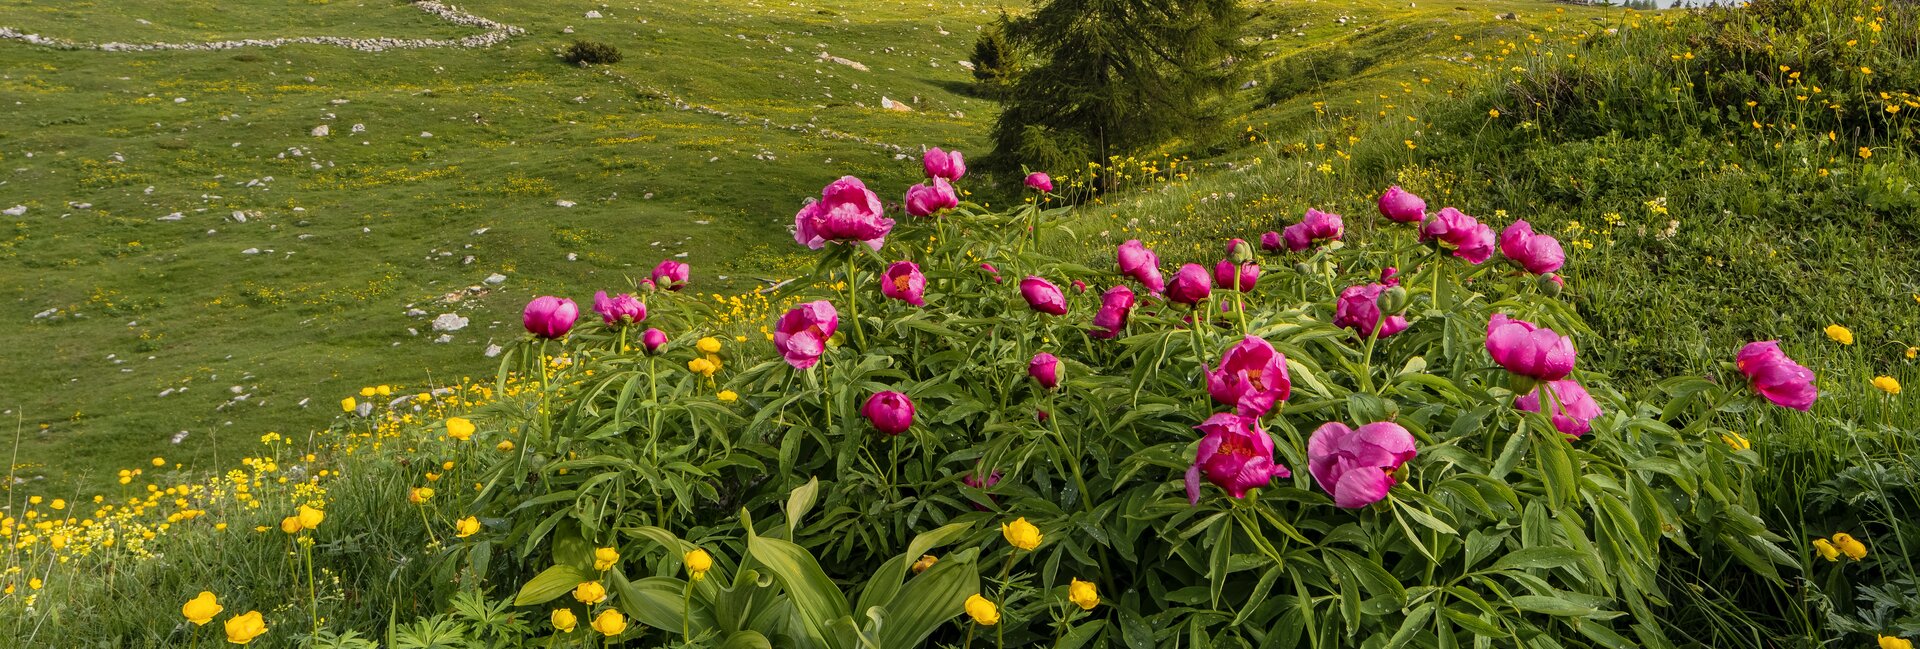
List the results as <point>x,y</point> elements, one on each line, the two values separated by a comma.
<point>585,53</point>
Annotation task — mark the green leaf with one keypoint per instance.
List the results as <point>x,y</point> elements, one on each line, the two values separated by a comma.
<point>1543,557</point>
<point>549,584</point>
<point>1080,635</point>
<point>800,501</point>
<point>930,600</point>
<point>1549,605</point>
<point>746,640</point>
<point>658,602</point>
<point>821,604</point>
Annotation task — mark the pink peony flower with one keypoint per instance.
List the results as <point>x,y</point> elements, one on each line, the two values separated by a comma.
<point>653,340</point>
<point>1190,285</point>
<point>1045,368</point>
<point>1358,308</point>
<point>1529,350</point>
<point>846,211</point>
<point>1399,205</point>
<point>1043,296</point>
<point>1235,455</point>
<point>1252,376</point>
<point>1470,239</point>
<point>1271,242</point>
<point>903,281</point>
<point>1776,377</point>
<point>1390,276</point>
<point>1356,466</point>
<point>942,164</point>
<point>1574,409</point>
<point>1141,264</point>
<point>671,275</point>
<point>1040,182</point>
<point>994,272</point>
<point>550,317</point>
<point>621,309</point>
<point>1224,275</point>
<point>1317,226</point>
<point>1538,253</point>
<point>930,199</point>
<point>1115,305</point>
<point>801,334</point>
<point>890,412</point>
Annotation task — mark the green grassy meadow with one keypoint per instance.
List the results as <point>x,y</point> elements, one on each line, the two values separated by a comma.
<point>354,230</point>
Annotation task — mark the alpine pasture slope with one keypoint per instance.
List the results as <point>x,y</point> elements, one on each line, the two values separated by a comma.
<point>126,325</point>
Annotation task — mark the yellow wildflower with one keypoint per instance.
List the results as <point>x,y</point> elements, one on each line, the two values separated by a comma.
<point>466,527</point>
<point>201,609</point>
<point>419,495</point>
<point>708,345</point>
<point>1840,334</point>
<point>1826,550</point>
<point>1893,642</point>
<point>729,396</point>
<point>459,428</point>
<point>982,611</point>
<point>610,622</point>
<point>242,629</point>
<point>604,558</point>
<point>290,524</point>
<point>590,592</point>
<point>1083,594</point>
<point>348,404</point>
<point>1887,384</point>
<point>564,620</point>
<point>1850,546</point>
<point>926,561</point>
<point>698,563</point>
<point>1021,534</point>
<point>310,518</point>
<point>504,445</point>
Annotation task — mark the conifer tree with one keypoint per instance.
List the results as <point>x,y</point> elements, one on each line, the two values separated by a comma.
<point>1111,77</point>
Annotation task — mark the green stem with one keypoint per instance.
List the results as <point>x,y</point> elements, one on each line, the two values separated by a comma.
<point>853,302</point>
<point>1067,456</point>
<point>429,525</point>
<point>686,613</point>
<point>313,596</point>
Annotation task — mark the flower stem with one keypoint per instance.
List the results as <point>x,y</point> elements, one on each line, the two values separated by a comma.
<point>313,597</point>
<point>853,302</point>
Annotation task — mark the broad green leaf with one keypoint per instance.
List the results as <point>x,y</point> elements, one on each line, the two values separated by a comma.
<point>551,583</point>
<point>819,601</point>
<point>929,600</point>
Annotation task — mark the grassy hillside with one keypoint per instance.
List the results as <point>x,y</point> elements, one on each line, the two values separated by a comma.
<point>698,146</point>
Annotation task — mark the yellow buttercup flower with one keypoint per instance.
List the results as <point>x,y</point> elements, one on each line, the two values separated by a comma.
<point>290,524</point>
<point>982,611</point>
<point>926,561</point>
<point>242,629</point>
<point>1850,546</point>
<point>1826,550</point>
<point>1083,594</point>
<point>1840,334</point>
<point>610,623</point>
<point>466,527</point>
<point>159,461</point>
<point>729,396</point>
<point>1021,534</point>
<point>459,428</point>
<point>504,445</point>
<point>564,620</point>
<point>384,390</point>
<point>604,558</point>
<point>310,518</point>
<point>419,495</point>
<point>368,392</point>
<point>202,608</point>
<point>698,563</point>
<point>1892,642</point>
<point>708,345</point>
<point>590,592</point>
<point>348,404</point>
<point>1887,384</point>
<point>1736,440</point>
<point>702,367</point>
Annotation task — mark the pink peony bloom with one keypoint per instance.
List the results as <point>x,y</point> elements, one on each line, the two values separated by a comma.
<point>1040,182</point>
<point>1045,368</point>
<point>1190,285</point>
<point>801,334</point>
<point>1359,309</point>
<point>550,317</point>
<point>890,412</point>
<point>653,340</point>
<point>942,164</point>
<point>621,309</point>
<point>903,281</point>
<point>995,272</point>
<point>1043,296</point>
<point>1079,286</point>
<point>1317,226</point>
<point>1141,264</point>
<point>1538,253</point>
<point>846,211</point>
<point>1390,276</point>
<point>1235,455</point>
<point>1399,205</point>
<point>930,199</point>
<point>1252,376</point>
<point>1224,275</point>
<point>1529,350</point>
<point>1115,305</point>
<point>1470,239</point>
<point>1574,409</point>
<point>1776,377</point>
<point>1271,242</point>
<point>1356,466</point>
<point>671,275</point>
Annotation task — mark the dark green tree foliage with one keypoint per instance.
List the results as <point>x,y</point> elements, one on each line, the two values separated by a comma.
<point>995,60</point>
<point>1117,76</point>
